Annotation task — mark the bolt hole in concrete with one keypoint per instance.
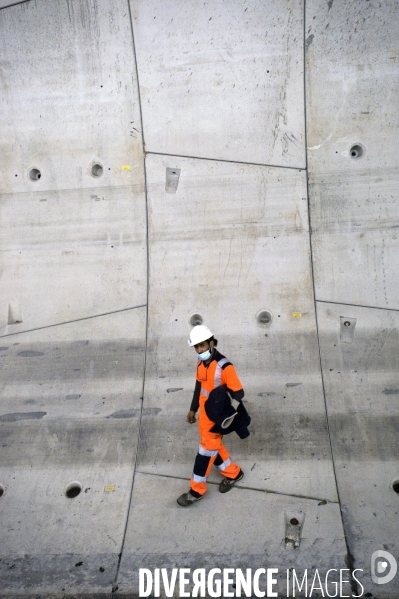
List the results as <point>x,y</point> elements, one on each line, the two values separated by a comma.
<point>294,522</point>
<point>73,490</point>
<point>34,174</point>
<point>347,323</point>
<point>196,319</point>
<point>97,170</point>
<point>395,486</point>
<point>264,317</point>
<point>1,491</point>
<point>356,151</point>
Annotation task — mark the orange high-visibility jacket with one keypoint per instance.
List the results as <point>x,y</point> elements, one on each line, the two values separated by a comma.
<point>218,372</point>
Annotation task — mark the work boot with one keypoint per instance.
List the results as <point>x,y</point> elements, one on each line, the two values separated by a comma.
<point>227,483</point>
<point>187,499</point>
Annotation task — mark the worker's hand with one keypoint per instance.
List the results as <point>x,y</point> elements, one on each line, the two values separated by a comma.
<point>191,417</point>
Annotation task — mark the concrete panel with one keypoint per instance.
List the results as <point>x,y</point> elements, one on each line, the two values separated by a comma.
<point>361,385</point>
<point>68,237</point>
<point>70,410</point>
<point>224,533</point>
<point>223,80</point>
<point>353,138</point>
<point>69,96</point>
<point>231,241</point>
<point>71,254</point>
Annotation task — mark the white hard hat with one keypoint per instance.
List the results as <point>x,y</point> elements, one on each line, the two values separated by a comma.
<point>198,334</point>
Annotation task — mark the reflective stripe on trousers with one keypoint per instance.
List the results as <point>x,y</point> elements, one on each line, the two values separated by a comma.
<point>207,452</point>
<point>224,465</point>
<point>203,464</point>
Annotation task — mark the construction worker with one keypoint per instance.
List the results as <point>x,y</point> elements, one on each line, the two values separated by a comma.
<point>213,370</point>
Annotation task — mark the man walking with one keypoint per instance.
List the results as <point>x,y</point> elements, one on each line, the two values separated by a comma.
<point>213,370</point>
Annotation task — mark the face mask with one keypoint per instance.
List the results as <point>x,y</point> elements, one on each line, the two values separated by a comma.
<point>205,355</point>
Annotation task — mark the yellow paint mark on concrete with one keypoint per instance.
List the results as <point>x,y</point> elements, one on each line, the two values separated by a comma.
<point>297,315</point>
<point>126,168</point>
<point>109,488</point>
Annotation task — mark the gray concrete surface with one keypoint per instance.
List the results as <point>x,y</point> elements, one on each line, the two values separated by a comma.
<point>71,406</point>
<point>280,120</point>
<point>222,82</point>
<point>362,392</point>
<point>244,529</point>
<point>352,76</point>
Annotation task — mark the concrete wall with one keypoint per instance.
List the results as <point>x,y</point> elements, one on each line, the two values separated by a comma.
<point>248,155</point>
<point>352,78</point>
<point>73,293</point>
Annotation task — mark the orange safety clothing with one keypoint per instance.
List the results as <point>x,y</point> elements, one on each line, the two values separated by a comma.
<point>211,449</point>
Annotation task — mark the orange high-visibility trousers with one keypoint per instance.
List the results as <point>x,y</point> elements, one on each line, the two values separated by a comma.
<point>211,451</point>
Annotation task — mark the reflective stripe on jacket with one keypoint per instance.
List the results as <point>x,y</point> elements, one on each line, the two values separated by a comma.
<point>218,372</point>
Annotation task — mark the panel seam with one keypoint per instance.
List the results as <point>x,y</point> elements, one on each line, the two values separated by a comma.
<point>60,324</point>
<point>349,558</point>
<point>15,4</point>
<point>255,489</point>
<point>357,305</point>
<point>293,168</point>
<point>115,583</point>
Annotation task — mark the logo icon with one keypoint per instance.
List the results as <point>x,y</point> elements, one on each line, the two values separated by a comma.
<point>383,567</point>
